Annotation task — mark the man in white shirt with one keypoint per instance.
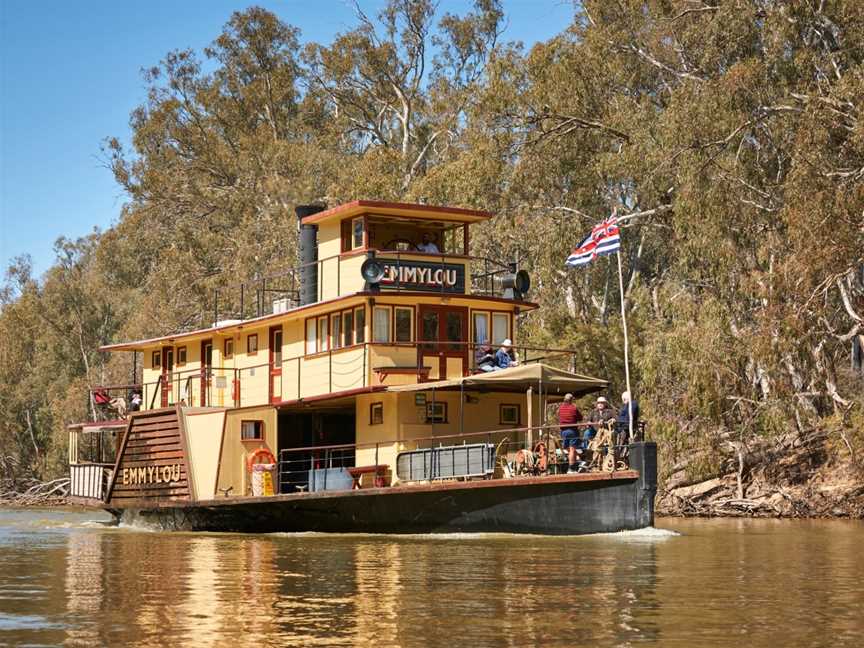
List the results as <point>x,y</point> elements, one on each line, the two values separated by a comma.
<point>428,245</point>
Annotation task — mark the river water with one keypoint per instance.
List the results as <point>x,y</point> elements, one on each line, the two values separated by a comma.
<point>67,579</point>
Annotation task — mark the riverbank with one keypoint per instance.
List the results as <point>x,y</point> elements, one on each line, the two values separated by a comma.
<point>793,476</point>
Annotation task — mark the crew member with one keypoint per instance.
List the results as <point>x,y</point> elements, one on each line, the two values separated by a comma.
<point>428,245</point>
<point>568,416</point>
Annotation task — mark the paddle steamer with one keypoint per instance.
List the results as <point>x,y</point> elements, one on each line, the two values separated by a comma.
<point>343,396</point>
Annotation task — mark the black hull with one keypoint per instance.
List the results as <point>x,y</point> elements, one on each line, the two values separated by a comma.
<point>563,505</point>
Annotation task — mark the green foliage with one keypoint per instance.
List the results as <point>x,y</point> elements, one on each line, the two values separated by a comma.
<point>728,136</point>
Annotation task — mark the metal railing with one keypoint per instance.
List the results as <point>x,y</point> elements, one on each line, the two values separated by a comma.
<point>89,480</point>
<point>523,451</point>
<point>233,301</point>
<point>334,370</point>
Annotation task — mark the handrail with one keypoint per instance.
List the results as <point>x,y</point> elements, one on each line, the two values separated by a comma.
<point>355,371</point>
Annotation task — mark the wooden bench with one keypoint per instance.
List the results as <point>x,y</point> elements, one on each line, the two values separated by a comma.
<point>379,470</point>
<point>422,373</point>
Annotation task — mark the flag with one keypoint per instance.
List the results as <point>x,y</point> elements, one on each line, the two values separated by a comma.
<point>605,238</point>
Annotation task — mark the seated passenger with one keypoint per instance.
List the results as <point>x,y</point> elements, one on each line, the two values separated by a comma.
<point>135,402</point>
<point>600,416</point>
<point>484,360</point>
<point>504,357</point>
<point>428,245</point>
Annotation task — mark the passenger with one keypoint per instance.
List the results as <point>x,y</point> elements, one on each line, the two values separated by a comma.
<point>504,356</point>
<point>623,421</point>
<point>599,417</point>
<point>428,245</point>
<point>484,360</point>
<point>568,416</point>
<point>135,402</point>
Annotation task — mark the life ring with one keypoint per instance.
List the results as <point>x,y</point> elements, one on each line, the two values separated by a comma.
<point>260,452</point>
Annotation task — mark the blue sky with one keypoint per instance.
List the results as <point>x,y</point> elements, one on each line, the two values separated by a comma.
<point>70,76</point>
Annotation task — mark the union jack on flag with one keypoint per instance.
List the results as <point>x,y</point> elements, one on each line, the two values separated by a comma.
<point>605,238</point>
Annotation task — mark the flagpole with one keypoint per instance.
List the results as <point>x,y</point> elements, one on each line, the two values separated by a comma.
<point>626,345</point>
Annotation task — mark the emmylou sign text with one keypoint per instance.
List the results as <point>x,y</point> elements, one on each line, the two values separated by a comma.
<point>151,475</point>
<point>423,276</point>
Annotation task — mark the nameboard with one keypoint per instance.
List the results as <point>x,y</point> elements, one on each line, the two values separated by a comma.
<point>423,276</point>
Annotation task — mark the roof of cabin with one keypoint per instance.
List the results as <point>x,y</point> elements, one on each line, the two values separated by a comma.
<point>403,210</point>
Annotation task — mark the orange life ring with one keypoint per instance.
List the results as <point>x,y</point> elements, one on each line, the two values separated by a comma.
<point>260,452</point>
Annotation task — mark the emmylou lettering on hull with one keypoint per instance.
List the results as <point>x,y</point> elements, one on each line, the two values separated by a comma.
<point>151,475</point>
<point>417,275</point>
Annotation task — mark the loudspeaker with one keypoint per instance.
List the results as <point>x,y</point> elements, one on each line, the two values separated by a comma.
<point>372,272</point>
<point>515,285</point>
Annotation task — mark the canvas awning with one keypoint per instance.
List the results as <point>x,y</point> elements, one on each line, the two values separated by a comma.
<point>516,379</point>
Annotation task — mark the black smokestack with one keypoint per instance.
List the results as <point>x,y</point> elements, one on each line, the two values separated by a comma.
<point>308,253</point>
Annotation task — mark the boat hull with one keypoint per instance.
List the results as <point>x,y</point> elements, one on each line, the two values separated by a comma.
<point>553,505</point>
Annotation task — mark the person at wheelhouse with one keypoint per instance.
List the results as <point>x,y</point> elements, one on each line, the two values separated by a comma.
<point>427,244</point>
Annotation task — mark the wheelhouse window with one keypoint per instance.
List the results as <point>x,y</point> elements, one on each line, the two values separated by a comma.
<point>181,356</point>
<point>251,430</point>
<point>381,324</point>
<point>156,359</point>
<point>404,324</point>
<point>357,230</point>
<point>490,327</point>
<point>376,414</point>
<point>481,328</point>
<point>277,347</point>
<point>228,349</point>
<point>311,336</point>
<point>252,344</point>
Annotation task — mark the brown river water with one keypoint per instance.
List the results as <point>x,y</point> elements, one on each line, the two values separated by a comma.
<point>67,579</point>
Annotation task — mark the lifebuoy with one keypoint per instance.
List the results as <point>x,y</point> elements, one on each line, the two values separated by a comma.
<point>260,452</point>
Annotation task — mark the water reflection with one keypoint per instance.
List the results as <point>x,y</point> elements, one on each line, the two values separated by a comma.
<point>758,583</point>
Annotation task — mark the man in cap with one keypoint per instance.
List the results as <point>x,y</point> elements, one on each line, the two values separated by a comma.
<point>568,416</point>
<point>600,416</point>
<point>504,357</point>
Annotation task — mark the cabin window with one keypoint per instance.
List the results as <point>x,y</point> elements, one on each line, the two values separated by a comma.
<point>381,324</point>
<point>436,412</point>
<point>181,356</point>
<point>323,333</point>
<point>500,327</point>
<point>252,344</point>
<point>508,414</point>
<point>376,414</point>
<point>359,325</point>
<point>347,328</point>
<point>228,349</point>
<point>357,229</point>
<point>336,331</point>
<point>156,359</point>
<point>277,347</point>
<point>403,326</point>
<point>169,360</point>
<point>251,430</point>
<point>481,328</point>
<point>311,336</point>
